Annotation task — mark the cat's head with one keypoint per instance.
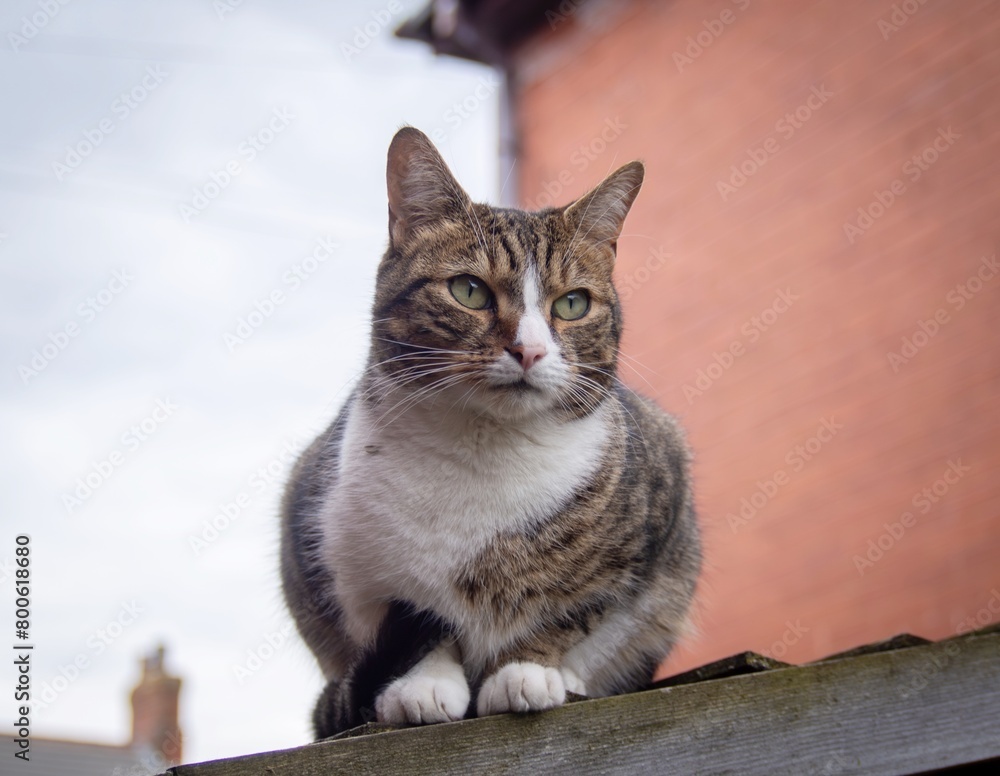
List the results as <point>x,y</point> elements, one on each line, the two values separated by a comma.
<point>502,311</point>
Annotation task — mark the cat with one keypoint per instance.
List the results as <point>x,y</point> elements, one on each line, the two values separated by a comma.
<point>493,520</point>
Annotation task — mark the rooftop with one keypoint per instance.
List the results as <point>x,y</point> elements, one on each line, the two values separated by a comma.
<point>905,705</point>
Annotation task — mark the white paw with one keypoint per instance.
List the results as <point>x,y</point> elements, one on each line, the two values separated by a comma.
<point>421,700</point>
<point>521,687</point>
<point>572,681</point>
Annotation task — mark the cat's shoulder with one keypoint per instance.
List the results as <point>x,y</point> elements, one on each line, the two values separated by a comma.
<point>658,431</point>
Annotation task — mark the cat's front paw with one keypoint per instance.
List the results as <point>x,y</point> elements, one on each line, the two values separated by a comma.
<point>422,700</point>
<point>521,687</point>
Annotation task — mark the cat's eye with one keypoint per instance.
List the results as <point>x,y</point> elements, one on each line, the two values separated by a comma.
<point>571,306</point>
<point>470,291</point>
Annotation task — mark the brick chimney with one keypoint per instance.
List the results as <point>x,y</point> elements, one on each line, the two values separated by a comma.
<point>155,728</point>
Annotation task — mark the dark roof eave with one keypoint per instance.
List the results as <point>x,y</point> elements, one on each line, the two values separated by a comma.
<point>421,28</point>
<point>480,30</point>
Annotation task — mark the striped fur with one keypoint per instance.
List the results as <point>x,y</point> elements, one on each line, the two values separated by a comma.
<point>493,516</point>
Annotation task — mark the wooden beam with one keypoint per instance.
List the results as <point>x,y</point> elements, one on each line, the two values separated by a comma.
<point>900,711</point>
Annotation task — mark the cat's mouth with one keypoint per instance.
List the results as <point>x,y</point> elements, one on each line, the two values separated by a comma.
<point>518,386</point>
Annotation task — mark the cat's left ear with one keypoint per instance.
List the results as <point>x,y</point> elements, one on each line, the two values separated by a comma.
<point>600,214</point>
<point>421,188</point>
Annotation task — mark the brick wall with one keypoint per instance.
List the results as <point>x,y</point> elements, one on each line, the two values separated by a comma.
<point>763,307</point>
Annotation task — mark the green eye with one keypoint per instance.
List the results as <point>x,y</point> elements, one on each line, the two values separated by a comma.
<point>470,291</point>
<point>571,306</point>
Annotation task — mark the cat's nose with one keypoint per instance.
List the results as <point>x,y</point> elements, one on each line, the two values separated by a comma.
<point>527,355</point>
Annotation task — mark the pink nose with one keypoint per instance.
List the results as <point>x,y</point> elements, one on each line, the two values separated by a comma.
<point>527,355</point>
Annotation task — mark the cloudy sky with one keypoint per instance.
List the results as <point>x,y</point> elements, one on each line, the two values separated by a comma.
<point>192,208</point>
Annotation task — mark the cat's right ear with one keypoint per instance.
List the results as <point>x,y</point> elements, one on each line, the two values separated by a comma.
<point>600,214</point>
<point>421,188</point>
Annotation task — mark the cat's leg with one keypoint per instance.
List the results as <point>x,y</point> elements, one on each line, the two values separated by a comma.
<point>622,651</point>
<point>598,654</point>
<point>619,655</point>
<point>434,690</point>
<point>573,681</point>
<point>330,715</point>
<point>529,676</point>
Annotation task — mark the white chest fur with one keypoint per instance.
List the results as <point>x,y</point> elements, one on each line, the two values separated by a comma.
<point>418,498</point>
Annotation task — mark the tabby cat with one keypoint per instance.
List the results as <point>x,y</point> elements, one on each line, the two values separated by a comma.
<point>493,520</point>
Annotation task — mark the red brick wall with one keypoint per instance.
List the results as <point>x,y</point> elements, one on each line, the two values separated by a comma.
<point>789,316</point>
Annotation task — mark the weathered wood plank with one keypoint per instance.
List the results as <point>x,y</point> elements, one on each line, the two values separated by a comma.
<point>902,641</point>
<point>893,712</point>
<point>737,665</point>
